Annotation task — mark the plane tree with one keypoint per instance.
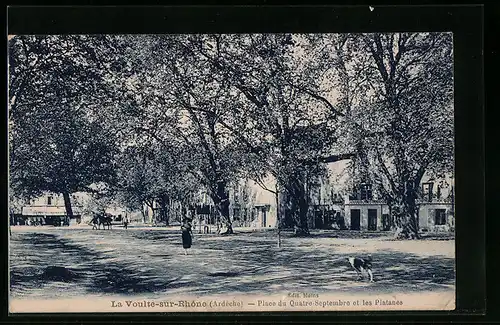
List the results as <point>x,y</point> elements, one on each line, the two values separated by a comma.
<point>56,83</point>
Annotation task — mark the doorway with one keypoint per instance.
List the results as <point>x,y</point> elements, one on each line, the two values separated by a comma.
<point>372,219</point>
<point>355,219</point>
<point>264,217</point>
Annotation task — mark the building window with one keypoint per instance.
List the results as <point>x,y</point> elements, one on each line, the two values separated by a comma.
<point>336,198</point>
<point>427,191</point>
<point>49,200</point>
<point>366,192</point>
<point>438,193</point>
<point>440,217</point>
<point>362,192</point>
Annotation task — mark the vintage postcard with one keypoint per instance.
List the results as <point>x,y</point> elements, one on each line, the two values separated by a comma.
<point>231,172</point>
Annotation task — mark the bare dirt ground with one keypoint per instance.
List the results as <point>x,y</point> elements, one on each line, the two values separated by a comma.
<point>150,261</point>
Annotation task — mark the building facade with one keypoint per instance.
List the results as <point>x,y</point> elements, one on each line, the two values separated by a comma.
<point>367,215</point>
<point>435,212</point>
<point>48,209</point>
<point>250,206</point>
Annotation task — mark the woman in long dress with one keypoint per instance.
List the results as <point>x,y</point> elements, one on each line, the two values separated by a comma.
<point>186,235</point>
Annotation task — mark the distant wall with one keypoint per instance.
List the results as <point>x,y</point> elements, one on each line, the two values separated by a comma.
<point>427,216</point>
<point>363,208</point>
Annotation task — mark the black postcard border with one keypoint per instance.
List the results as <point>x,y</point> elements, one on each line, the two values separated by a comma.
<point>466,23</point>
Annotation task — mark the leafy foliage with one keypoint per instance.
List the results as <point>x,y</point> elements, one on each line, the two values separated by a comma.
<point>398,100</point>
<point>56,142</point>
<point>155,117</point>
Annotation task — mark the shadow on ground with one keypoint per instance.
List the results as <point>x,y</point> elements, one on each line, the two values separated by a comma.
<point>152,262</point>
<point>289,269</point>
<point>43,262</point>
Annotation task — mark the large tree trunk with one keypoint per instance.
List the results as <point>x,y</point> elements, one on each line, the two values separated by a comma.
<point>284,208</point>
<point>302,227</point>
<point>299,207</point>
<point>224,212</point>
<point>221,200</point>
<point>278,215</point>
<point>164,200</point>
<point>67,205</point>
<point>405,217</point>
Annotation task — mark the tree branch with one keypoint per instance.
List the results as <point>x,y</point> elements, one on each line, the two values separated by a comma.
<point>377,55</point>
<point>235,132</point>
<point>386,172</point>
<point>259,182</point>
<point>319,98</point>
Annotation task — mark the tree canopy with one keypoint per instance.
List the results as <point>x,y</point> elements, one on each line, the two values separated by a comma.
<point>157,117</point>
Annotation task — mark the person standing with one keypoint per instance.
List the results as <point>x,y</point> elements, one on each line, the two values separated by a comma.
<point>187,234</point>
<point>125,221</point>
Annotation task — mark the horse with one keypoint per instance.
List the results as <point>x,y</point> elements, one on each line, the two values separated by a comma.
<point>101,219</point>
